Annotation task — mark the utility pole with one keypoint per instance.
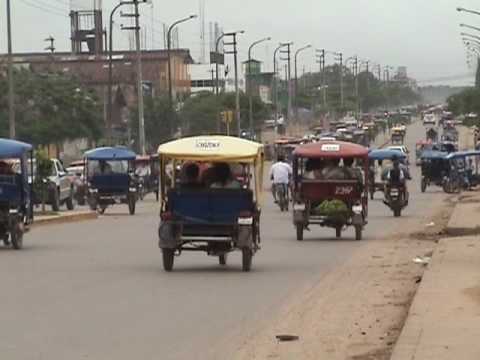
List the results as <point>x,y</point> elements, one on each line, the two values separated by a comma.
<point>355,72</point>
<point>51,41</point>
<point>141,117</point>
<point>321,62</point>
<point>237,92</point>
<point>340,59</point>
<point>288,79</point>
<point>11,88</point>
<point>212,72</point>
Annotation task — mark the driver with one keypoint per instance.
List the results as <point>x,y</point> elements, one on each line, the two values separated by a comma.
<point>397,177</point>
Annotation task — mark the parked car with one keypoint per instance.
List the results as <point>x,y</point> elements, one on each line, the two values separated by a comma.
<point>76,174</point>
<point>60,187</point>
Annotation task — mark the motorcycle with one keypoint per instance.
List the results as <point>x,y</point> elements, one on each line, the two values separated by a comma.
<point>396,198</point>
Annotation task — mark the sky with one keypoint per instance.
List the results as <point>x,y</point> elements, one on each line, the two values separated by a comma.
<point>423,35</point>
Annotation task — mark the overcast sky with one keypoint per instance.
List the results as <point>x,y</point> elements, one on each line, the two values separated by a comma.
<point>423,35</point>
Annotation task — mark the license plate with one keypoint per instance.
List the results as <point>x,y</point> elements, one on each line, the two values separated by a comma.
<point>394,192</point>
<point>245,221</point>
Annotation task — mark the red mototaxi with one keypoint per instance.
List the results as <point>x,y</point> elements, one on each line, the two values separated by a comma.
<point>309,193</point>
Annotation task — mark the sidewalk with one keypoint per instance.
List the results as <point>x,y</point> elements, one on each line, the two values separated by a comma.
<point>443,322</point>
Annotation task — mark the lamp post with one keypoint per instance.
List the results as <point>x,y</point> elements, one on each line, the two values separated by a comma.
<point>296,78</point>
<point>11,90</point>
<point>110,70</point>
<point>249,88</point>
<point>170,85</point>
<point>470,36</point>
<point>462,9</point>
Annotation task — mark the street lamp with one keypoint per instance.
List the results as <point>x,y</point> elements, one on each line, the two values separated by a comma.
<point>296,77</point>
<point>170,85</point>
<point>249,88</point>
<point>470,35</point>
<point>110,70</point>
<point>460,9</point>
<point>470,27</point>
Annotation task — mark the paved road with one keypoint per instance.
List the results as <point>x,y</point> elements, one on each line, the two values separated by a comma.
<point>96,290</point>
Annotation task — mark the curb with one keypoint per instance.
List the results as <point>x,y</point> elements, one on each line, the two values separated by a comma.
<point>65,219</point>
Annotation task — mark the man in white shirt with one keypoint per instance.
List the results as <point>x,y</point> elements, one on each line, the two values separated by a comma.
<point>280,175</point>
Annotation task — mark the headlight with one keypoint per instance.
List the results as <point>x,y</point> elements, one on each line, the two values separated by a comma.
<point>299,207</point>
<point>93,190</point>
<point>132,189</point>
<point>357,209</point>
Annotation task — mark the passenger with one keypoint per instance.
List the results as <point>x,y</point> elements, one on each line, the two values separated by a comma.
<point>333,171</point>
<point>191,174</point>
<point>314,169</point>
<point>280,175</point>
<point>6,168</point>
<point>103,168</point>
<point>224,178</point>
<point>351,172</point>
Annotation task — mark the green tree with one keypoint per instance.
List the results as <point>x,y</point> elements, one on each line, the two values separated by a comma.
<point>51,108</point>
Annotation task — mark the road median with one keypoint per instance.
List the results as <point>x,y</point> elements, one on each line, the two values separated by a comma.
<point>64,217</point>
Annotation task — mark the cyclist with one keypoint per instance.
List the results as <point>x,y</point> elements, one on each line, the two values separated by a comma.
<point>280,175</point>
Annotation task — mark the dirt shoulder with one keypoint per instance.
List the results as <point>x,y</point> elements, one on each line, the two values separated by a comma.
<point>358,310</point>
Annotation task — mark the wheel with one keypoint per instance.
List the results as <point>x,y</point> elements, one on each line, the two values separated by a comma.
<point>101,209</point>
<point>424,185</point>
<point>141,194</point>
<point>168,259</point>
<point>6,239</point>
<point>157,195</point>
<point>358,233</point>
<point>397,212</point>
<point>372,194</point>
<point>69,202</point>
<point>131,205</point>
<point>300,232</point>
<point>81,200</point>
<point>92,202</point>
<point>338,232</point>
<point>222,259</point>
<point>55,201</point>
<point>16,236</point>
<point>246,259</point>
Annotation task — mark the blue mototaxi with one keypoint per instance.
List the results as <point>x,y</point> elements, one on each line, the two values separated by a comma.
<point>463,166</point>
<point>435,169</point>
<point>16,207</point>
<point>110,174</point>
<point>376,159</point>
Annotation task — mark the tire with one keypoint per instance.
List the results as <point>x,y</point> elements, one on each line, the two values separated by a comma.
<point>424,185</point>
<point>358,233</point>
<point>300,232</point>
<point>397,212</point>
<point>338,232</point>
<point>16,236</point>
<point>81,200</point>
<point>101,210</point>
<point>6,239</point>
<point>131,205</point>
<point>246,259</point>
<point>372,195</point>
<point>69,202</point>
<point>222,259</point>
<point>157,195</point>
<point>55,201</point>
<point>168,256</point>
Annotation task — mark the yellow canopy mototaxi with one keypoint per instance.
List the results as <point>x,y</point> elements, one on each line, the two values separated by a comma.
<point>215,220</point>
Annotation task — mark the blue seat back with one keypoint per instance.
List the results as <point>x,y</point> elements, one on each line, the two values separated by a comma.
<point>11,188</point>
<point>111,183</point>
<point>219,206</point>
